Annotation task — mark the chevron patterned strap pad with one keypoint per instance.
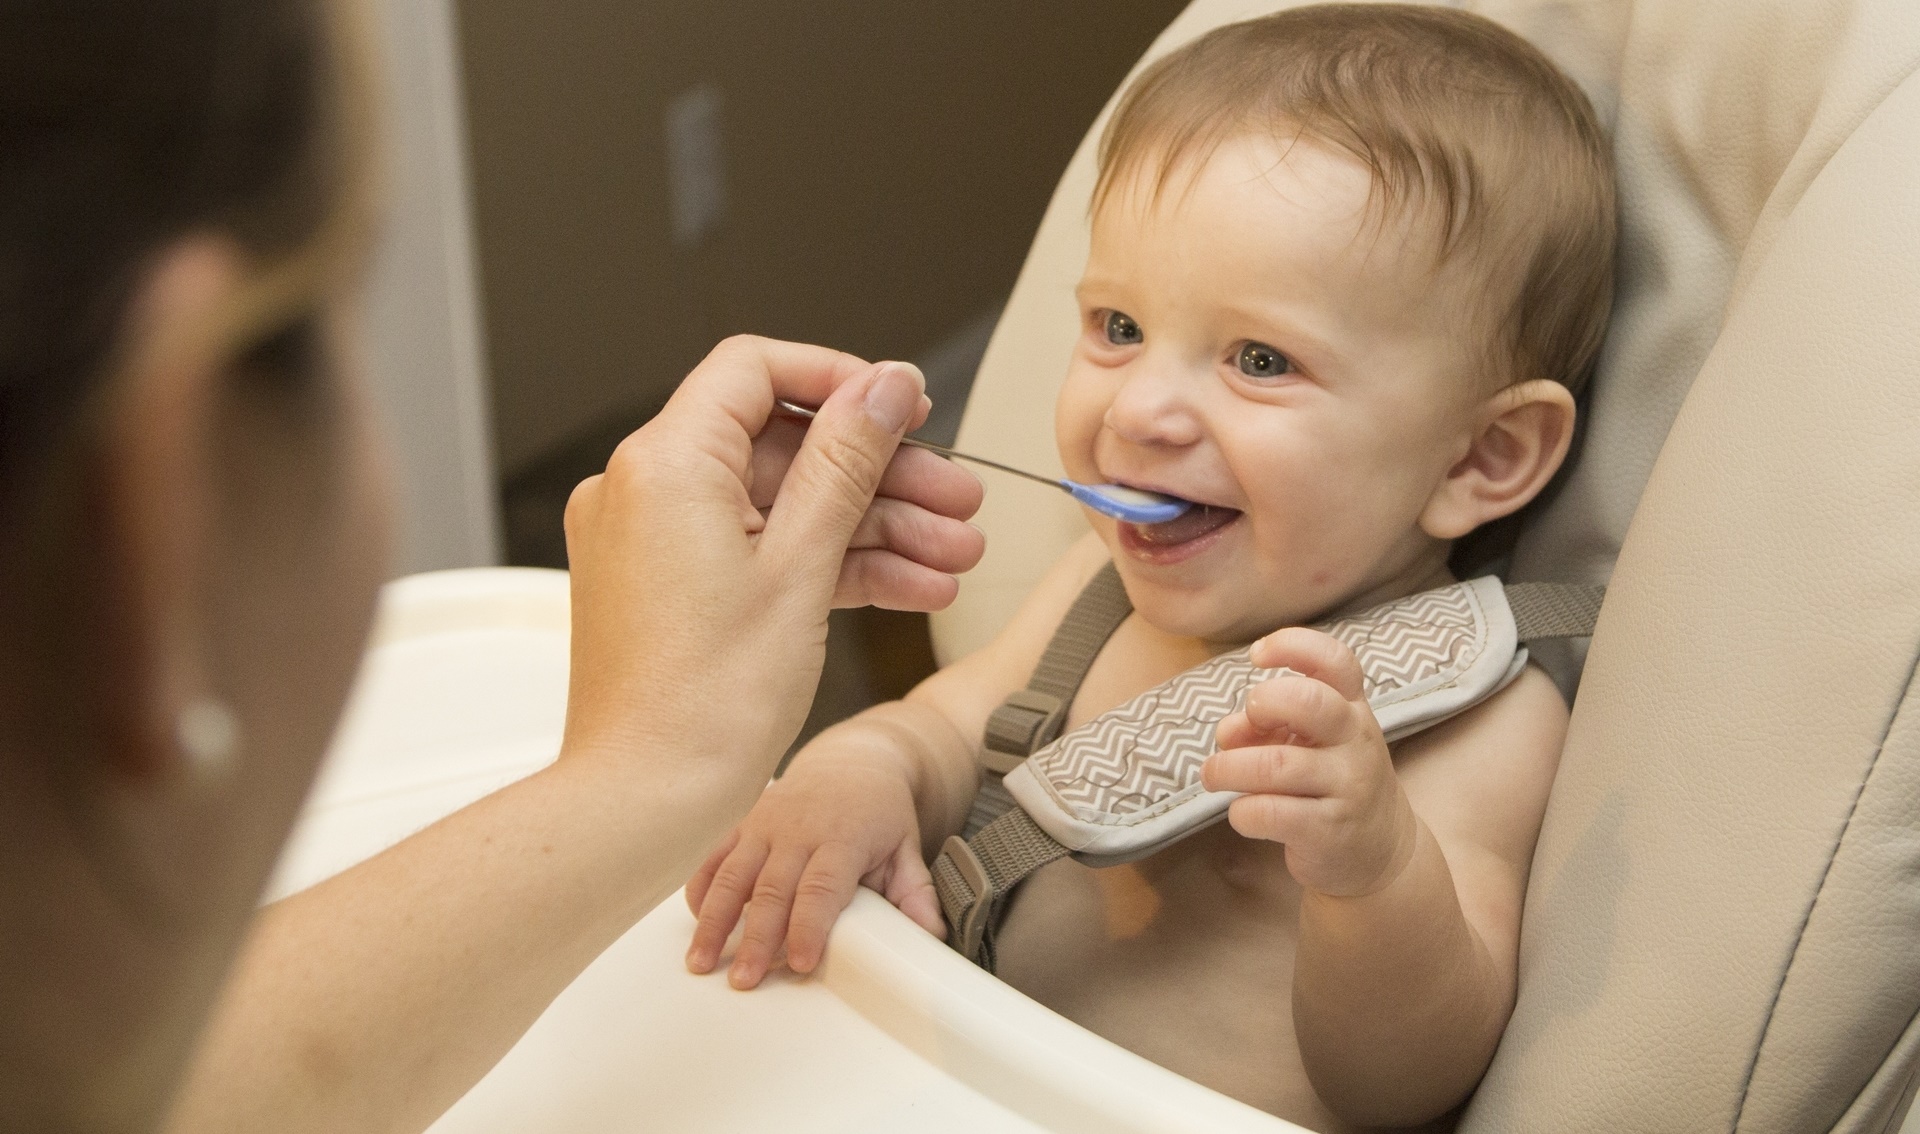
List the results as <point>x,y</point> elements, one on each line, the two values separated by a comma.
<point>1128,782</point>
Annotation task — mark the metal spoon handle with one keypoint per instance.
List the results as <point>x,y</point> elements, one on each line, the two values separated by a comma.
<point>803,412</point>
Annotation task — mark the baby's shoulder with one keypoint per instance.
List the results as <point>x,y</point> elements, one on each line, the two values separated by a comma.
<point>1488,770</point>
<point>1530,712</point>
<point>1525,721</point>
<point>970,687</point>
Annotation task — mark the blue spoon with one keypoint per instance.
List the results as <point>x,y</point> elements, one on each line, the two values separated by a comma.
<point>1117,500</point>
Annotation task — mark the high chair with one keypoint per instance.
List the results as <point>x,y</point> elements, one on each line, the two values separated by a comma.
<point>1722,928</point>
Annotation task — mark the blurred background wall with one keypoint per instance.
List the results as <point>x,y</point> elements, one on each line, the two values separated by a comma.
<point>425,348</point>
<point>647,178</point>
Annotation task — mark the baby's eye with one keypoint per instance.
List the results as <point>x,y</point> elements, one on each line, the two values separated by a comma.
<point>1258,360</point>
<point>1121,329</point>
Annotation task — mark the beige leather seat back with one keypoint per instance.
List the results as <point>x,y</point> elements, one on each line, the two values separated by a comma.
<point>1723,924</point>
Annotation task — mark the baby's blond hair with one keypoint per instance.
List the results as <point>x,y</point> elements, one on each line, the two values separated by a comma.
<point>1456,118</point>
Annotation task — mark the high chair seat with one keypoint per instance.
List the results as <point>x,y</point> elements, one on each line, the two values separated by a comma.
<point>1722,928</point>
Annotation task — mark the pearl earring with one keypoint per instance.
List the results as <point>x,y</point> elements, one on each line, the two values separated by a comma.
<point>209,737</point>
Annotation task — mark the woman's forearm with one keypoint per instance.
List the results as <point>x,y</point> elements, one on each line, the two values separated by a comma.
<point>1397,1002</point>
<point>373,1001</point>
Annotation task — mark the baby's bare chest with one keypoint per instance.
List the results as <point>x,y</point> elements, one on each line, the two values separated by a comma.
<point>1137,658</point>
<point>1185,958</point>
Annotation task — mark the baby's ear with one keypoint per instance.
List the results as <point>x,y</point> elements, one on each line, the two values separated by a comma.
<point>1522,436</point>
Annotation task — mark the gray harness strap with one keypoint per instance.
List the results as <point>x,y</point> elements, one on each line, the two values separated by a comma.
<point>975,878</point>
<point>1029,719</point>
<point>1032,717</point>
<point>1002,845</point>
<point>1554,610</point>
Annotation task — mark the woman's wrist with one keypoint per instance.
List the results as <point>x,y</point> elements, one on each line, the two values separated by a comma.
<point>695,791</point>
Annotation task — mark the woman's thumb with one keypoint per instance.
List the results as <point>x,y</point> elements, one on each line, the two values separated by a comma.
<point>833,478</point>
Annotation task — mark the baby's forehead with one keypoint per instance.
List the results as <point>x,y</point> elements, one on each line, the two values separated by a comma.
<point>1290,218</point>
<point>1288,185</point>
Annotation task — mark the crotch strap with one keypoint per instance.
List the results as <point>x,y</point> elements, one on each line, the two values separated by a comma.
<point>1127,783</point>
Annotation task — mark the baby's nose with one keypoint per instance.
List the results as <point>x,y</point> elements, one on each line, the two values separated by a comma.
<point>1153,408</point>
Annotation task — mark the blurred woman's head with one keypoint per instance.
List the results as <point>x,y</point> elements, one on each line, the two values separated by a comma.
<point>126,125</point>
<point>190,519</point>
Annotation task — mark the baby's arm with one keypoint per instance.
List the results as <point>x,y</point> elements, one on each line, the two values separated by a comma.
<point>869,801</point>
<point>1414,875</point>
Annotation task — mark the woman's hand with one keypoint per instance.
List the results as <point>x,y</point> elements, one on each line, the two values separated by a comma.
<point>706,557</point>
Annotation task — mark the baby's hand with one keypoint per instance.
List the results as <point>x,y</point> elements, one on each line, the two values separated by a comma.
<point>1311,757</point>
<point>794,861</point>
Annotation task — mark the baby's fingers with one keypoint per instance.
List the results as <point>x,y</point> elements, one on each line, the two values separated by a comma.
<point>1275,818</point>
<point>910,888</point>
<point>767,914</point>
<point>823,891</point>
<point>722,902</point>
<point>702,880</point>
<point>1274,769</point>
<point>1299,710</point>
<point>1312,653</point>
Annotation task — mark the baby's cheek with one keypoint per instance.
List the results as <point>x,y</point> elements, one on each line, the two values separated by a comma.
<point>1077,414</point>
<point>1315,538</point>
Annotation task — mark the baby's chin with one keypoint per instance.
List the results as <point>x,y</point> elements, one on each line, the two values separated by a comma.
<point>1223,613</point>
<point>1210,596</point>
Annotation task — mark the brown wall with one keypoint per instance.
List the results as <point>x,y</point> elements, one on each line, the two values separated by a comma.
<point>886,165</point>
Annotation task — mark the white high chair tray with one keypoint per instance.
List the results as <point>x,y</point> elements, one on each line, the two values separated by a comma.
<point>463,691</point>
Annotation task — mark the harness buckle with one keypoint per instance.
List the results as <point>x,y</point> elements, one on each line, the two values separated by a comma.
<point>969,928</point>
<point>1027,719</point>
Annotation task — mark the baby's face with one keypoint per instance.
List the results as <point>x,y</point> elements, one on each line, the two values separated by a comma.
<point>1255,342</point>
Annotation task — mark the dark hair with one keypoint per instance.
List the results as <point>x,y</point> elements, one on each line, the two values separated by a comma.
<point>1453,115</point>
<point>126,125</point>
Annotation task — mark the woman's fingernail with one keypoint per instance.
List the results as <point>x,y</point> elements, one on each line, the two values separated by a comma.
<point>894,396</point>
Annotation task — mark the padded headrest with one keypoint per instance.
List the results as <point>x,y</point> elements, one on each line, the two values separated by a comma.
<point>1722,927</point>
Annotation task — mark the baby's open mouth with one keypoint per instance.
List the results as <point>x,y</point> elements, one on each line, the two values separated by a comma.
<point>1200,520</point>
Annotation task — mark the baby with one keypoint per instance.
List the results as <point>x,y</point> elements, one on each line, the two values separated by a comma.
<point>1349,265</point>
